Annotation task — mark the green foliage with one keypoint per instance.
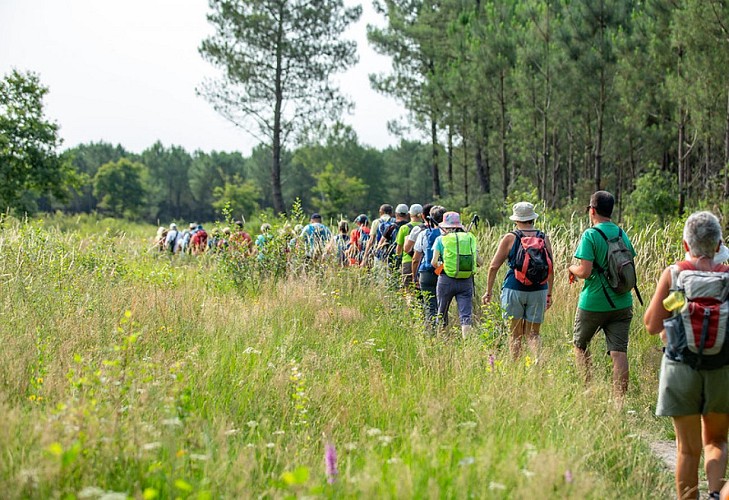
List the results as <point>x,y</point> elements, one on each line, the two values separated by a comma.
<point>119,187</point>
<point>237,196</point>
<point>336,193</point>
<point>654,199</point>
<point>29,161</point>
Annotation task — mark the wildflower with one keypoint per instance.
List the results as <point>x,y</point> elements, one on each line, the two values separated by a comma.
<point>180,453</point>
<point>528,361</point>
<point>393,460</point>
<point>252,424</point>
<point>231,432</point>
<point>197,456</point>
<point>492,362</point>
<point>39,380</point>
<point>270,445</point>
<point>151,446</point>
<point>467,461</point>
<point>468,425</point>
<point>373,431</point>
<point>493,485</point>
<point>330,459</point>
<point>279,433</point>
<point>527,473</point>
<point>568,476</point>
<point>350,446</point>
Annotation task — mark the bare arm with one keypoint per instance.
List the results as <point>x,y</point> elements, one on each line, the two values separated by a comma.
<point>656,313</point>
<point>417,258</point>
<point>436,258</point>
<point>550,278</point>
<point>502,252</point>
<point>408,246</point>
<point>582,270</point>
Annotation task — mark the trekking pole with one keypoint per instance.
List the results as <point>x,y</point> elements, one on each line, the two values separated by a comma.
<point>474,222</point>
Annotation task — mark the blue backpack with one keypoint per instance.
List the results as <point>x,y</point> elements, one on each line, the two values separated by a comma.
<point>431,234</point>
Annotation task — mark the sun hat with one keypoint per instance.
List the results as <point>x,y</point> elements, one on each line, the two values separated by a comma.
<point>401,209</point>
<point>173,226</point>
<point>451,220</point>
<point>416,209</point>
<point>523,212</point>
<point>192,226</point>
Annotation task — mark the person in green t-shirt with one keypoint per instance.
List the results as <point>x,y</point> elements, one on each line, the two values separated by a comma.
<point>416,220</point>
<point>594,310</point>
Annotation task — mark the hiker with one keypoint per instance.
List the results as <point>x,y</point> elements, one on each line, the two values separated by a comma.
<point>263,239</point>
<point>315,236</point>
<point>241,241</point>
<point>186,237</point>
<point>459,259</point>
<point>416,220</point>
<point>600,305</point>
<point>412,237</point>
<point>358,240</point>
<point>385,219</point>
<point>339,245</point>
<point>160,238</point>
<point>424,276</point>
<point>527,289</point>
<point>171,242</point>
<point>214,240</point>
<point>224,239</point>
<point>199,241</point>
<point>689,391</point>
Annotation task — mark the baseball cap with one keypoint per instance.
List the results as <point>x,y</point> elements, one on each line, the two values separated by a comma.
<point>401,209</point>
<point>416,209</point>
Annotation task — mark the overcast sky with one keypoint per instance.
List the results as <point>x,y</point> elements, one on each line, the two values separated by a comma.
<point>125,71</point>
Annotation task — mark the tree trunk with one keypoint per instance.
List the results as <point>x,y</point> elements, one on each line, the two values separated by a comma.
<point>278,203</point>
<point>434,156</point>
<point>450,159</point>
<point>681,161</point>
<point>726,150</point>
<point>570,167</point>
<point>482,169</point>
<point>599,133</point>
<point>502,132</point>
<point>465,172</point>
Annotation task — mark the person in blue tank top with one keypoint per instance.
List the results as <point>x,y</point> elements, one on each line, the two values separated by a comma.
<point>523,301</point>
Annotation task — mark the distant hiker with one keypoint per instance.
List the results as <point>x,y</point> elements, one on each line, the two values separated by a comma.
<point>527,289</point>
<point>263,240</point>
<point>214,240</point>
<point>600,305</point>
<point>385,218</point>
<point>358,240</point>
<point>416,220</point>
<point>186,237</point>
<point>424,276</point>
<point>173,235</point>
<point>339,245</point>
<point>419,224</point>
<point>689,309</point>
<point>459,253</point>
<point>199,241</point>
<point>224,239</point>
<point>315,236</point>
<point>241,241</point>
<point>159,239</point>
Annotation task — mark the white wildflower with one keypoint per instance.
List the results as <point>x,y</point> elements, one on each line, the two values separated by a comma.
<point>373,431</point>
<point>467,461</point>
<point>493,485</point>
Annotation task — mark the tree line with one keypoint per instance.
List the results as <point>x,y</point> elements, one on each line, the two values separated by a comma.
<point>548,99</point>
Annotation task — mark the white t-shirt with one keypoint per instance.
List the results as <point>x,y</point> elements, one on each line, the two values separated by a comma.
<point>414,232</point>
<point>421,244</point>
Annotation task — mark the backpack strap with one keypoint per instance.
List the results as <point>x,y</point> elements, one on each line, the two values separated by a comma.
<point>601,272</point>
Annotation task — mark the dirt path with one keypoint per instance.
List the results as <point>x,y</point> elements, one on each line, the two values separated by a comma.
<point>666,451</point>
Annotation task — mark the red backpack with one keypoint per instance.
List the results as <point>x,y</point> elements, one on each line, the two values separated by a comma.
<point>531,263</point>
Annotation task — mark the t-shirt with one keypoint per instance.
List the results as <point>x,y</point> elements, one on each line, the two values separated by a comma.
<point>316,234</point>
<point>415,232</point>
<point>400,240</point>
<point>593,247</point>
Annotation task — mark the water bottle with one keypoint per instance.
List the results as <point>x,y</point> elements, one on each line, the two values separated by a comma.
<point>675,301</point>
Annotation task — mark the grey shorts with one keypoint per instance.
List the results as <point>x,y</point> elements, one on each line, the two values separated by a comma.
<point>615,324</point>
<point>685,391</point>
<point>529,306</point>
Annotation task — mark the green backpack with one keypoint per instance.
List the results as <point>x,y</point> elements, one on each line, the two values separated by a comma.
<point>459,255</point>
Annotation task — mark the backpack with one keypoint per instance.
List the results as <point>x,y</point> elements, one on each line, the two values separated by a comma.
<point>431,234</point>
<point>387,231</point>
<point>459,255</point>
<point>342,244</point>
<point>531,263</point>
<point>362,240</point>
<point>172,242</point>
<point>697,334</point>
<point>620,271</point>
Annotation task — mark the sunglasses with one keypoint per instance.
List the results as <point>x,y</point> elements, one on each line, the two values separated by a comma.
<point>587,209</point>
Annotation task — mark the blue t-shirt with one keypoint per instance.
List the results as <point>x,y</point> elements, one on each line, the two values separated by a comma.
<point>316,235</point>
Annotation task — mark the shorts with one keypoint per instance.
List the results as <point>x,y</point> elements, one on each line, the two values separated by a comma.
<point>685,391</point>
<point>406,269</point>
<point>529,306</point>
<point>615,324</point>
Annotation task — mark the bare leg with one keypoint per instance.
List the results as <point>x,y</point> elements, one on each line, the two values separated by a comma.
<point>620,374</point>
<point>714,435</point>
<point>688,455</point>
<point>584,363</point>
<point>517,337</point>
<point>533,338</point>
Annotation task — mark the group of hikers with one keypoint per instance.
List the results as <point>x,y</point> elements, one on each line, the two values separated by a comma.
<point>431,254</point>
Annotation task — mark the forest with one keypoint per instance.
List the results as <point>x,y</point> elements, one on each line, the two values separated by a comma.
<point>540,99</point>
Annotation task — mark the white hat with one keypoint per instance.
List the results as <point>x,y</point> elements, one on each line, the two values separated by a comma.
<point>401,209</point>
<point>173,226</point>
<point>523,212</point>
<point>416,209</point>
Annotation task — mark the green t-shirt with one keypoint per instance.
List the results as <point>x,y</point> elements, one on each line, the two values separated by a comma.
<point>400,240</point>
<point>594,248</point>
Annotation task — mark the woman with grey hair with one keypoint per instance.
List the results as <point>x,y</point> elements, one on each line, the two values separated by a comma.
<point>697,399</point>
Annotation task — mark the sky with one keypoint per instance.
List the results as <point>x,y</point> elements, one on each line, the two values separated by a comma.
<point>125,72</point>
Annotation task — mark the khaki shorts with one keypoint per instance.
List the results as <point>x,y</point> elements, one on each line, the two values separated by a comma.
<point>615,324</point>
<point>685,391</point>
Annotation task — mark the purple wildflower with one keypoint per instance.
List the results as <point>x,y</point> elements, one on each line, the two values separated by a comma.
<point>492,361</point>
<point>330,458</point>
<point>568,476</point>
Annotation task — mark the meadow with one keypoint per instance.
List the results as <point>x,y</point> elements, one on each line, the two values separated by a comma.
<point>125,373</point>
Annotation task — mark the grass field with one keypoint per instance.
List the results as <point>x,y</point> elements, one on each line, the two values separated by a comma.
<point>127,374</point>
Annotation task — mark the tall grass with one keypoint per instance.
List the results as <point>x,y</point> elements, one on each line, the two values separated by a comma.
<point>124,371</point>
